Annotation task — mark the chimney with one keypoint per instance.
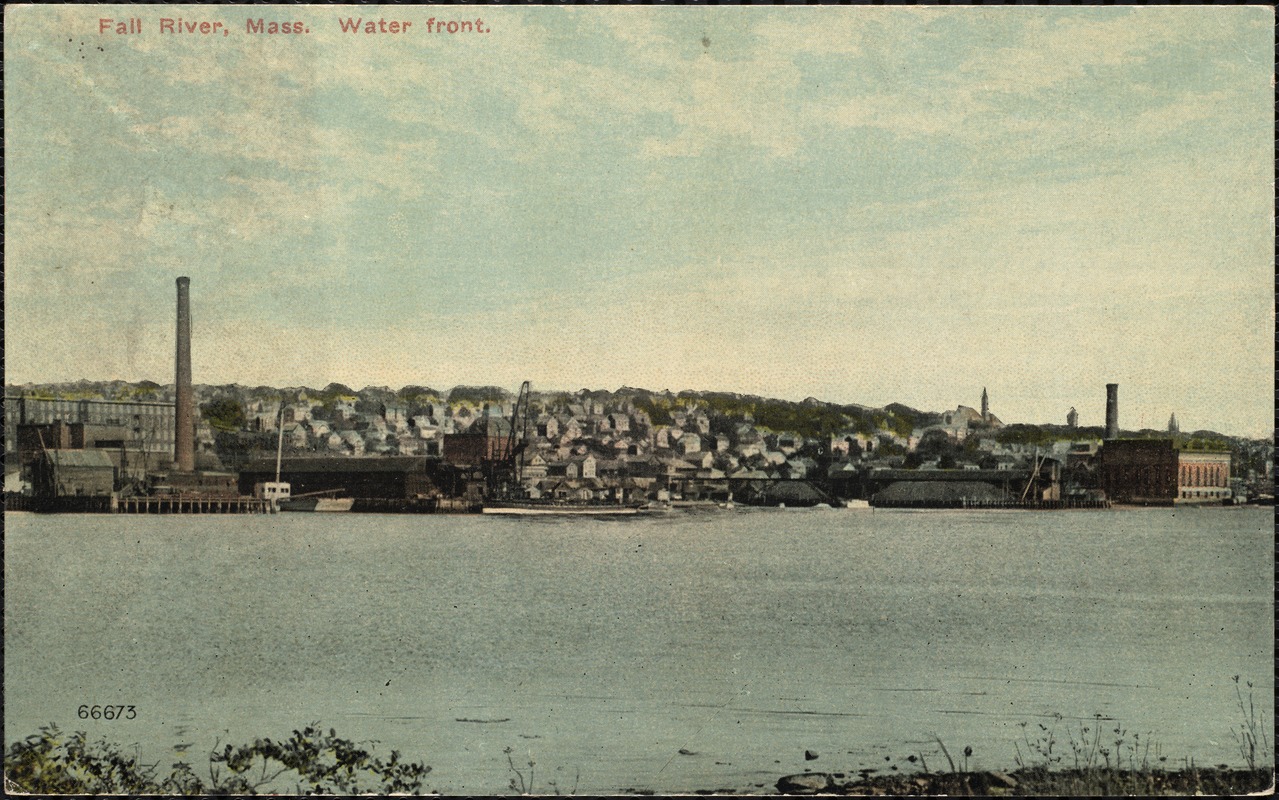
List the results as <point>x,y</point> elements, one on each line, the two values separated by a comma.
<point>184,407</point>
<point>1112,411</point>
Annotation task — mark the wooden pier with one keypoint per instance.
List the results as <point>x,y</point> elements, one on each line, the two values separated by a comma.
<point>987,503</point>
<point>187,504</point>
<point>57,505</point>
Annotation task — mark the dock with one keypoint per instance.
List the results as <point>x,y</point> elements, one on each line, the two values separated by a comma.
<point>989,503</point>
<point>180,504</point>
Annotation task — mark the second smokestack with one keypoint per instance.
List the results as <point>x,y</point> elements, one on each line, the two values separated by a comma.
<point>1112,411</point>
<point>184,405</point>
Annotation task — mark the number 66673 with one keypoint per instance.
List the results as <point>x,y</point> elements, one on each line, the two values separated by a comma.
<point>107,712</point>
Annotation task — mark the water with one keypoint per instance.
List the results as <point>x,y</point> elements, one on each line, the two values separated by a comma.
<point>602,648</point>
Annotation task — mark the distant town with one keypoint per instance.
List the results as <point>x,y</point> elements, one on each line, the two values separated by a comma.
<point>181,448</point>
<point>623,446</point>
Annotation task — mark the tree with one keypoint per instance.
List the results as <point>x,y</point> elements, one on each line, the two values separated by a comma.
<point>224,414</point>
<point>935,443</point>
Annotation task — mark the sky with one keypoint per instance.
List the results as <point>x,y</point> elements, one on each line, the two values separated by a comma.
<point>860,204</point>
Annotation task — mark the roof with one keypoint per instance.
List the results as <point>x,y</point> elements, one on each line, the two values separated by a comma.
<point>892,475</point>
<point>938,491</point>
<point>347,465</point>
<point>491,426</point>
<point>792,492</point>
<point>80,458</point>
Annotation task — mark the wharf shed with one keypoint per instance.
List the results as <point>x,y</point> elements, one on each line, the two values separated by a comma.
<point>939,493</point>
<point>388,477</point>
<point>205,484</point>
<point>74,473</point>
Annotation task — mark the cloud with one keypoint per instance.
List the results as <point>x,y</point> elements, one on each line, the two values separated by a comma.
<point>802,205</point>
<point>1053,50</point>
<point>733,104</point>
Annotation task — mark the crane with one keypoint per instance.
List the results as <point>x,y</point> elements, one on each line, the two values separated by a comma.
<point>504,468</point>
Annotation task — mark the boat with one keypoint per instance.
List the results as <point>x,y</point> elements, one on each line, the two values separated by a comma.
<point>535,508</point>
<point>857,504</point>
<point>315,503</point>
<point>276,492</point>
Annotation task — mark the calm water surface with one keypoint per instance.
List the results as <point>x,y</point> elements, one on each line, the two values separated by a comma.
<point>602,649</point>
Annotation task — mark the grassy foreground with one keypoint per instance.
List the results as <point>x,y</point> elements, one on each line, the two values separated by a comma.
<point>311,761</point>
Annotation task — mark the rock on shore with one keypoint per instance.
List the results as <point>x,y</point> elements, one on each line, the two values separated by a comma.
<point>1038,781</point>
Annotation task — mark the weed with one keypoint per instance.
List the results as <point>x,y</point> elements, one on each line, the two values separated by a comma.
<point>51,762</point>
<point>518,783</point>
<point>523,784</point>
<point>1042,746</point>
<point>1252,729</point>
<point>945,752</point>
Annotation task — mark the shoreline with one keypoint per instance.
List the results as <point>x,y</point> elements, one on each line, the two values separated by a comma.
<point>1221,780</point>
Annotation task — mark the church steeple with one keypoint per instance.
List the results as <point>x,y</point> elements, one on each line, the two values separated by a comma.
<point>1173,427</point>
<point>985,405</point>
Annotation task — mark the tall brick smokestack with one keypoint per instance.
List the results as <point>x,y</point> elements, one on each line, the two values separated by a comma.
<point>184,408</point>
<point>1112,411</point>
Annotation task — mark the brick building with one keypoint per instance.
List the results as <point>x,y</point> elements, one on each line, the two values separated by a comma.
<point>487,440</point>
<point>1159,472</point>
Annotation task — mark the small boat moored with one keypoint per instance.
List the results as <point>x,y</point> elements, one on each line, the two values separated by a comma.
<point>301,503</point>
<point>534,508</point>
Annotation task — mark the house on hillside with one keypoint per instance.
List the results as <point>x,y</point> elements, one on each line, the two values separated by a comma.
<point>352,442</point>
<point>700,459</point>
<point>548,427</point>
<point>396,417</point>
<point>800,467</point>
<point>534,468</point>
<point>788,442</point>
<point>318,428</point>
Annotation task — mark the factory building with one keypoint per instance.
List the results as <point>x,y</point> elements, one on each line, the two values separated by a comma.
<point>1158,472</point>
<point>146,426</point>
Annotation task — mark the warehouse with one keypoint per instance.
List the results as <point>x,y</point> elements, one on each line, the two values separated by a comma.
<point>74,473</point>
<point>389,477</point>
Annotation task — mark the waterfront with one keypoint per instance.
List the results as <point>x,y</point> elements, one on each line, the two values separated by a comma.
<point>607,647</point>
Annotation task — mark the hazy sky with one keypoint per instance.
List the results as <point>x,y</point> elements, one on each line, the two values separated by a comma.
<point>859,204</point>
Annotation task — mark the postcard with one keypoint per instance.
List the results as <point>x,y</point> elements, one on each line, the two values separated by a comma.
<point>678,399</point>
